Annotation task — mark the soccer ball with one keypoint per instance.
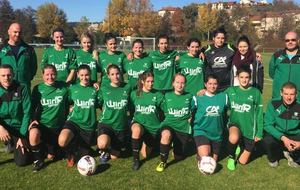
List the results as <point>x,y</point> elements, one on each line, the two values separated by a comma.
<point>207,165</point>
<point>87,165</point>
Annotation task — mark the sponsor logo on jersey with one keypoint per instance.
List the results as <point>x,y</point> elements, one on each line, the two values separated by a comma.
<point>92,64</point>
<point>240,108</point>
<point>116,105</point>
<point>212,111</point>
<point>178,113</point>
<point>219,62</point>
<point>162,66</point>
<point>85,104</point>
<point>134,74</point>
<point>193,72</point>
<point>60,67</point>
<point>51,102</point>
<point>145,109</point>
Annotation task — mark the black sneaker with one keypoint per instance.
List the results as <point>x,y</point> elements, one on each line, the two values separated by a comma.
<point>9,148</point>
<point>136,165</point>
<point>38,165</point>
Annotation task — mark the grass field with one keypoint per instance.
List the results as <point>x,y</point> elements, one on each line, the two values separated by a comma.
<point>117,174</point>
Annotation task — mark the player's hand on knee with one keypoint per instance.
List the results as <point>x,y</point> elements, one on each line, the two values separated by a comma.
<point>23,144</point>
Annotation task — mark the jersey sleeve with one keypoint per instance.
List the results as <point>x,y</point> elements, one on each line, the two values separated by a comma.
<point>194,104</point>
<point>72,59</point>
<point>70,98</point>
<point>100,97</point>
<point>270,122</point>
<point>44,59</point>
<point>163,105</point>
<point>259,115</point>
<point>26,105</point>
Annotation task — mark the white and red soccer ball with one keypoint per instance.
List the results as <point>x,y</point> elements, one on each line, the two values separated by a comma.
<point>207,165</point>
<point>87,165</point>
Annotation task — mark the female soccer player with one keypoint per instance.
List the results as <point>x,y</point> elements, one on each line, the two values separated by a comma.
<point>140,63</point>
<point>176,127</point>
<point>192,67</point>
<point>145,123</point>
<point>113,119</point>
<point>246,55</point>
<point>111,55</point>
<point>208,124</point>
<point>82,121</point>
<point>48,104</point>
<point>88,54</point>
<point>246,117</point>
<point>63,58</point>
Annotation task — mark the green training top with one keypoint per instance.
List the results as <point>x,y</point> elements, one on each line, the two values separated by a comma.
<point>209,115</point>
<point>178,111</point>
<point>50,102</point>
<point>246,110</point>
<point>163,69</point>
<point>135,67</point>
<point>114,101</point>
<point>193,69</point>
<point>86,58</point>
<point>146,109</point>
<point>63,60</point>
<point>85,102</point>
<point>105,59</point>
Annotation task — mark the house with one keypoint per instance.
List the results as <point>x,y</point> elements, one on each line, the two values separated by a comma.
<point>169,9</point>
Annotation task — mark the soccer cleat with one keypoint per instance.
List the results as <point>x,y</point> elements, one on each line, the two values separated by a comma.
<point>161,166</point>
<point>238,151</point>
<point>290,160</point>
<point>9,148</point>
<point>103,156</point>
<point>273,164</point>
<point>231,164</point>
<point>38,165</point>
<point>135,165</point>
<point>70,161</point>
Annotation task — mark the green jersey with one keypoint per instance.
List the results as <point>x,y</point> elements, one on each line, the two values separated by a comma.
<point>84,99</point>
<point>178,111</point>
<point>209,115</point>
<point>193,69</point>
<point>146,109</point>
<point>163,69</point>
<point>114,101</point>
<point>86,58</point>
<point>105,59</point>
<point>246,111</point>
<point>63,60</point>
<point>135,67</point>
<point>50,104</point>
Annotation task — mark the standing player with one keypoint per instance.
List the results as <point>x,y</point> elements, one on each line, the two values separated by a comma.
<point>208,124</point>
<point>111,55</point>
<point>49,104</point>
<point>63,58</point>
<point>145,123</point>
<point>140,63</point>
<point>176,127</point>
<point>82,121</point>
<point>246,117</point>
<point>88,54</point>
<point>113,119</point>
<point>192,67</point>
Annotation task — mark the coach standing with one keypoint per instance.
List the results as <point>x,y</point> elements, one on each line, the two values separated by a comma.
<point>285,64</point>
<point>19,55</point>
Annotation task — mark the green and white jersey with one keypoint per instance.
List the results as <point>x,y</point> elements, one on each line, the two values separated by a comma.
<point>163,69</point>
<point>86,58</point>
<point>178,111</point>
<point>146,109</point>
<point>193,69</point>
<point>209,115</point>
<point>84,99</point>
<point>63,60</point>
<point>105,59</point>
<point>246,110</point>
<point>136,67</point>
<point>115,102</point>
<point>50,104</point>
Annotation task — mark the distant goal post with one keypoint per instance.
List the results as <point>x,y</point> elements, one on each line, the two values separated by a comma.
<point>125,43</point>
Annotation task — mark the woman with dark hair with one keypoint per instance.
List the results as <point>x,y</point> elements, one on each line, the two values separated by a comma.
<point>145,122</point>
<point>192,67</point>
<point>246,55</point>
<point>111,56</point>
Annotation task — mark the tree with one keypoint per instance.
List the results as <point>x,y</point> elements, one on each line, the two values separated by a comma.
<point>150,27</point>
<point>190,16</point>
<point>207,19</point>
<point>48,17</point>
<point>6,17</point>
<point>239,14</point>
<point>26,18</point>
<point>177,26</point>
<point>287,24</point>
<point>165,27</point>
<point>82,26</point>
<point>70,34</point>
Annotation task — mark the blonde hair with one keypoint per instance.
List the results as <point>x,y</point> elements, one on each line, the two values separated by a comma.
<point>93,49</point>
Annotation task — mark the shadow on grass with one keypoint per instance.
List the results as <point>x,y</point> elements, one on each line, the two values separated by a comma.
<point>102,168</point>
<point>219,167</point>
<point>7,161</point>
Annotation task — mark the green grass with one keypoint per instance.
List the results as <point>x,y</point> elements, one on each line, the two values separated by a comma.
<point>117,174</point>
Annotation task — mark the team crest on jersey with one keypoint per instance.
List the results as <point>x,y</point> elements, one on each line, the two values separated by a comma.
<point>16,96</point>
<point>212,52</point>
<point>66,56</point>
<point>250,98</point>
<point>295,116</point>
<point>187,100</point>
<point>119,60</point>
<point>145,65</point>
<point>124,93</point>
<point>154,99</point>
